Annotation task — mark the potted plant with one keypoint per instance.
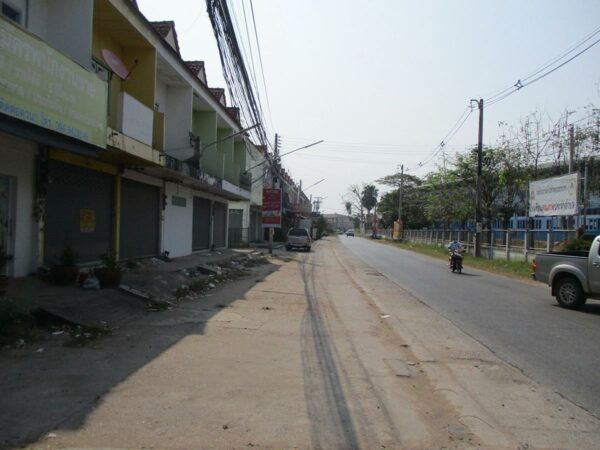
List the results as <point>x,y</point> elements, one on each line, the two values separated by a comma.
<point>66,271</point>
<point>109,275</point>
<point>5,258</point>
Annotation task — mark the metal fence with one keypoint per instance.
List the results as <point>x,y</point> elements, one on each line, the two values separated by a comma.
<point>509,244</point>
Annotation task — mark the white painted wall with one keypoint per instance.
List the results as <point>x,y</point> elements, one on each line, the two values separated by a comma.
<point>178,118</point>
<point>135,119</point>
<point>65,25</point>
<point>161,95</point>
<point>17,159</point>
<point>177,225</point>
<point>70,29</point>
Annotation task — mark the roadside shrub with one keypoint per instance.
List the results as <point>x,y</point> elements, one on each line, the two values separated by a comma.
<point>579,244</point>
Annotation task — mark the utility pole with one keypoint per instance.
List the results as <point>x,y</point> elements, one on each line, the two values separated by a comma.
<point>317,203</point>
<point>569,220</point>
<point>400,192</point>
<point>275,179</point>
<point>585,194</point>
<point>478,185</point>
<point>571,147</point>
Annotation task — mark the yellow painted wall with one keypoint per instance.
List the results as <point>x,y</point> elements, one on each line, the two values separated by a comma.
<point>100,41</point>
<point>142,81</point>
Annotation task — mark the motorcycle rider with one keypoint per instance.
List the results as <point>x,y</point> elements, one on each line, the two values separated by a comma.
<point>454,246</point>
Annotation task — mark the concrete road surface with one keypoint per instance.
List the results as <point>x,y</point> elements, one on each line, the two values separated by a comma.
<point>318,350</point>
<point>519,321</point>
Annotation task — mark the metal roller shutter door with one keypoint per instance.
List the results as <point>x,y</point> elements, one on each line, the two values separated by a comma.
<point>201,224</point>
<point>79,212</point>
<point>220,229</point>
<point>139,219</point>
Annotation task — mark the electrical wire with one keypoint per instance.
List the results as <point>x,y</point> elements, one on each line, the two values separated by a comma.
<point>457,126</point>
<point>235,72</point>
<point>545,70</point>
<point>261,63</point>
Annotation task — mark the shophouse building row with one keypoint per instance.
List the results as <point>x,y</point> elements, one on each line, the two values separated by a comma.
<point>109,141</point>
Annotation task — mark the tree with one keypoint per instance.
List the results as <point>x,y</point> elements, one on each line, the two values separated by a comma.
<point>413,200</point>
<point>353,197</point>
<point>449,197</point>
<point>348,206</point>
<point>368,197</point>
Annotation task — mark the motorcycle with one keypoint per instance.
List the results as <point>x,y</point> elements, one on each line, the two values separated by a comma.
<point>456,261</point>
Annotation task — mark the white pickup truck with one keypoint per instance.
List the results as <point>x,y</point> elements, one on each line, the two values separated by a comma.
<point>573,276</point>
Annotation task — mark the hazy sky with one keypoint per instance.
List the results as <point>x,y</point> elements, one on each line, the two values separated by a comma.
<point>382,82</point>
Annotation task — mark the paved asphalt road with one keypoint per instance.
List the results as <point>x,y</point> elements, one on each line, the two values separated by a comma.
<point>519,321</point>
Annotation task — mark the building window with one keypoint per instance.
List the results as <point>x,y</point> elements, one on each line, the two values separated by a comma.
<point>12,13</point>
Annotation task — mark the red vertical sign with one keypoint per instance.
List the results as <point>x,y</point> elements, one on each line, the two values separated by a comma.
<point>271,216</point>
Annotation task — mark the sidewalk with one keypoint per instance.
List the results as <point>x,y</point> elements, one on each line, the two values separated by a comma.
<point>155,278</point>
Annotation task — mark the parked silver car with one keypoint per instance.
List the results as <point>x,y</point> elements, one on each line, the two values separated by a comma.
<point>298,238</point>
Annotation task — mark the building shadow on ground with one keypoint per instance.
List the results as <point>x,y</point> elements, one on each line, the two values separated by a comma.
<point>47,386</point>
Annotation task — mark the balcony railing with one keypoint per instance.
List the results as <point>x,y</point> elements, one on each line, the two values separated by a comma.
<point>191,171</point>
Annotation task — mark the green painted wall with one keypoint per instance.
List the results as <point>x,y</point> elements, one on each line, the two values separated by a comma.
<point>239,154</point>
<point>230,170</point>
<point>204,124</point>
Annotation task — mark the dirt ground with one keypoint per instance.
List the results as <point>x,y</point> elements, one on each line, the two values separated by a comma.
<point>312,350</point>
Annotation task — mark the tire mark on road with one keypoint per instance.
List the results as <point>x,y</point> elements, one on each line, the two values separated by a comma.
<point>332,425</point>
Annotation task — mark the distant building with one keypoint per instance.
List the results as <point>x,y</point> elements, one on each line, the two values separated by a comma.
<point>339,221</point>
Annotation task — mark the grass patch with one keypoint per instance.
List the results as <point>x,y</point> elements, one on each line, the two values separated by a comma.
<point>520,269</point>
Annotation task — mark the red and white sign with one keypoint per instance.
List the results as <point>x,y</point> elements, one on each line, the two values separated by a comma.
<point>271,216</point>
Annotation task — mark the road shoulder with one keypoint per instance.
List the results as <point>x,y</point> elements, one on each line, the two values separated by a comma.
<point>497,401</point>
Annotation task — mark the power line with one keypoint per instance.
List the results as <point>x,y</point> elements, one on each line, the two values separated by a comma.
<point>261,63</point>
<point>236,75</point>
<point>455,128</point>
<point>367,144</point>
<point>538,75</point>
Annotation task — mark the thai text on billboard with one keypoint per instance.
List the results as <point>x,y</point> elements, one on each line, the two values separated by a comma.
<point>41,86</point>
<point>556,196</point>
<point>271,216</point>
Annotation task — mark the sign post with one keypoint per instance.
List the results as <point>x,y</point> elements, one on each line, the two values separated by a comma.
<point>271,217</point>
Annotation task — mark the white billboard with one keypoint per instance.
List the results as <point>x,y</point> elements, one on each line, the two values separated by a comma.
<point>554,196</point>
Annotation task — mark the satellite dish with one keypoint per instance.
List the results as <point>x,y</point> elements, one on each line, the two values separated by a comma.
<point>116,65</point>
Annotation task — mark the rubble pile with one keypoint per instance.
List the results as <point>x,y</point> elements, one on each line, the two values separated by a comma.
<point>162,289</point>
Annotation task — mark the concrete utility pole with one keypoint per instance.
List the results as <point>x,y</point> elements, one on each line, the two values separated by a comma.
<point>585,195</point>
<point>400,193</point>
<point>478,186</point>
<point>275,178</point>
<point>571,147</point>
<point>317,203</point>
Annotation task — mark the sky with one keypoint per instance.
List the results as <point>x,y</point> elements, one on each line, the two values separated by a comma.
<point>383,82</point>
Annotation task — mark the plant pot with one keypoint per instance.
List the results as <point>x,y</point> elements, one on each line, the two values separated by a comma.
<point>108,277</point>
<point>3,285</point>
<point>63,275</point>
